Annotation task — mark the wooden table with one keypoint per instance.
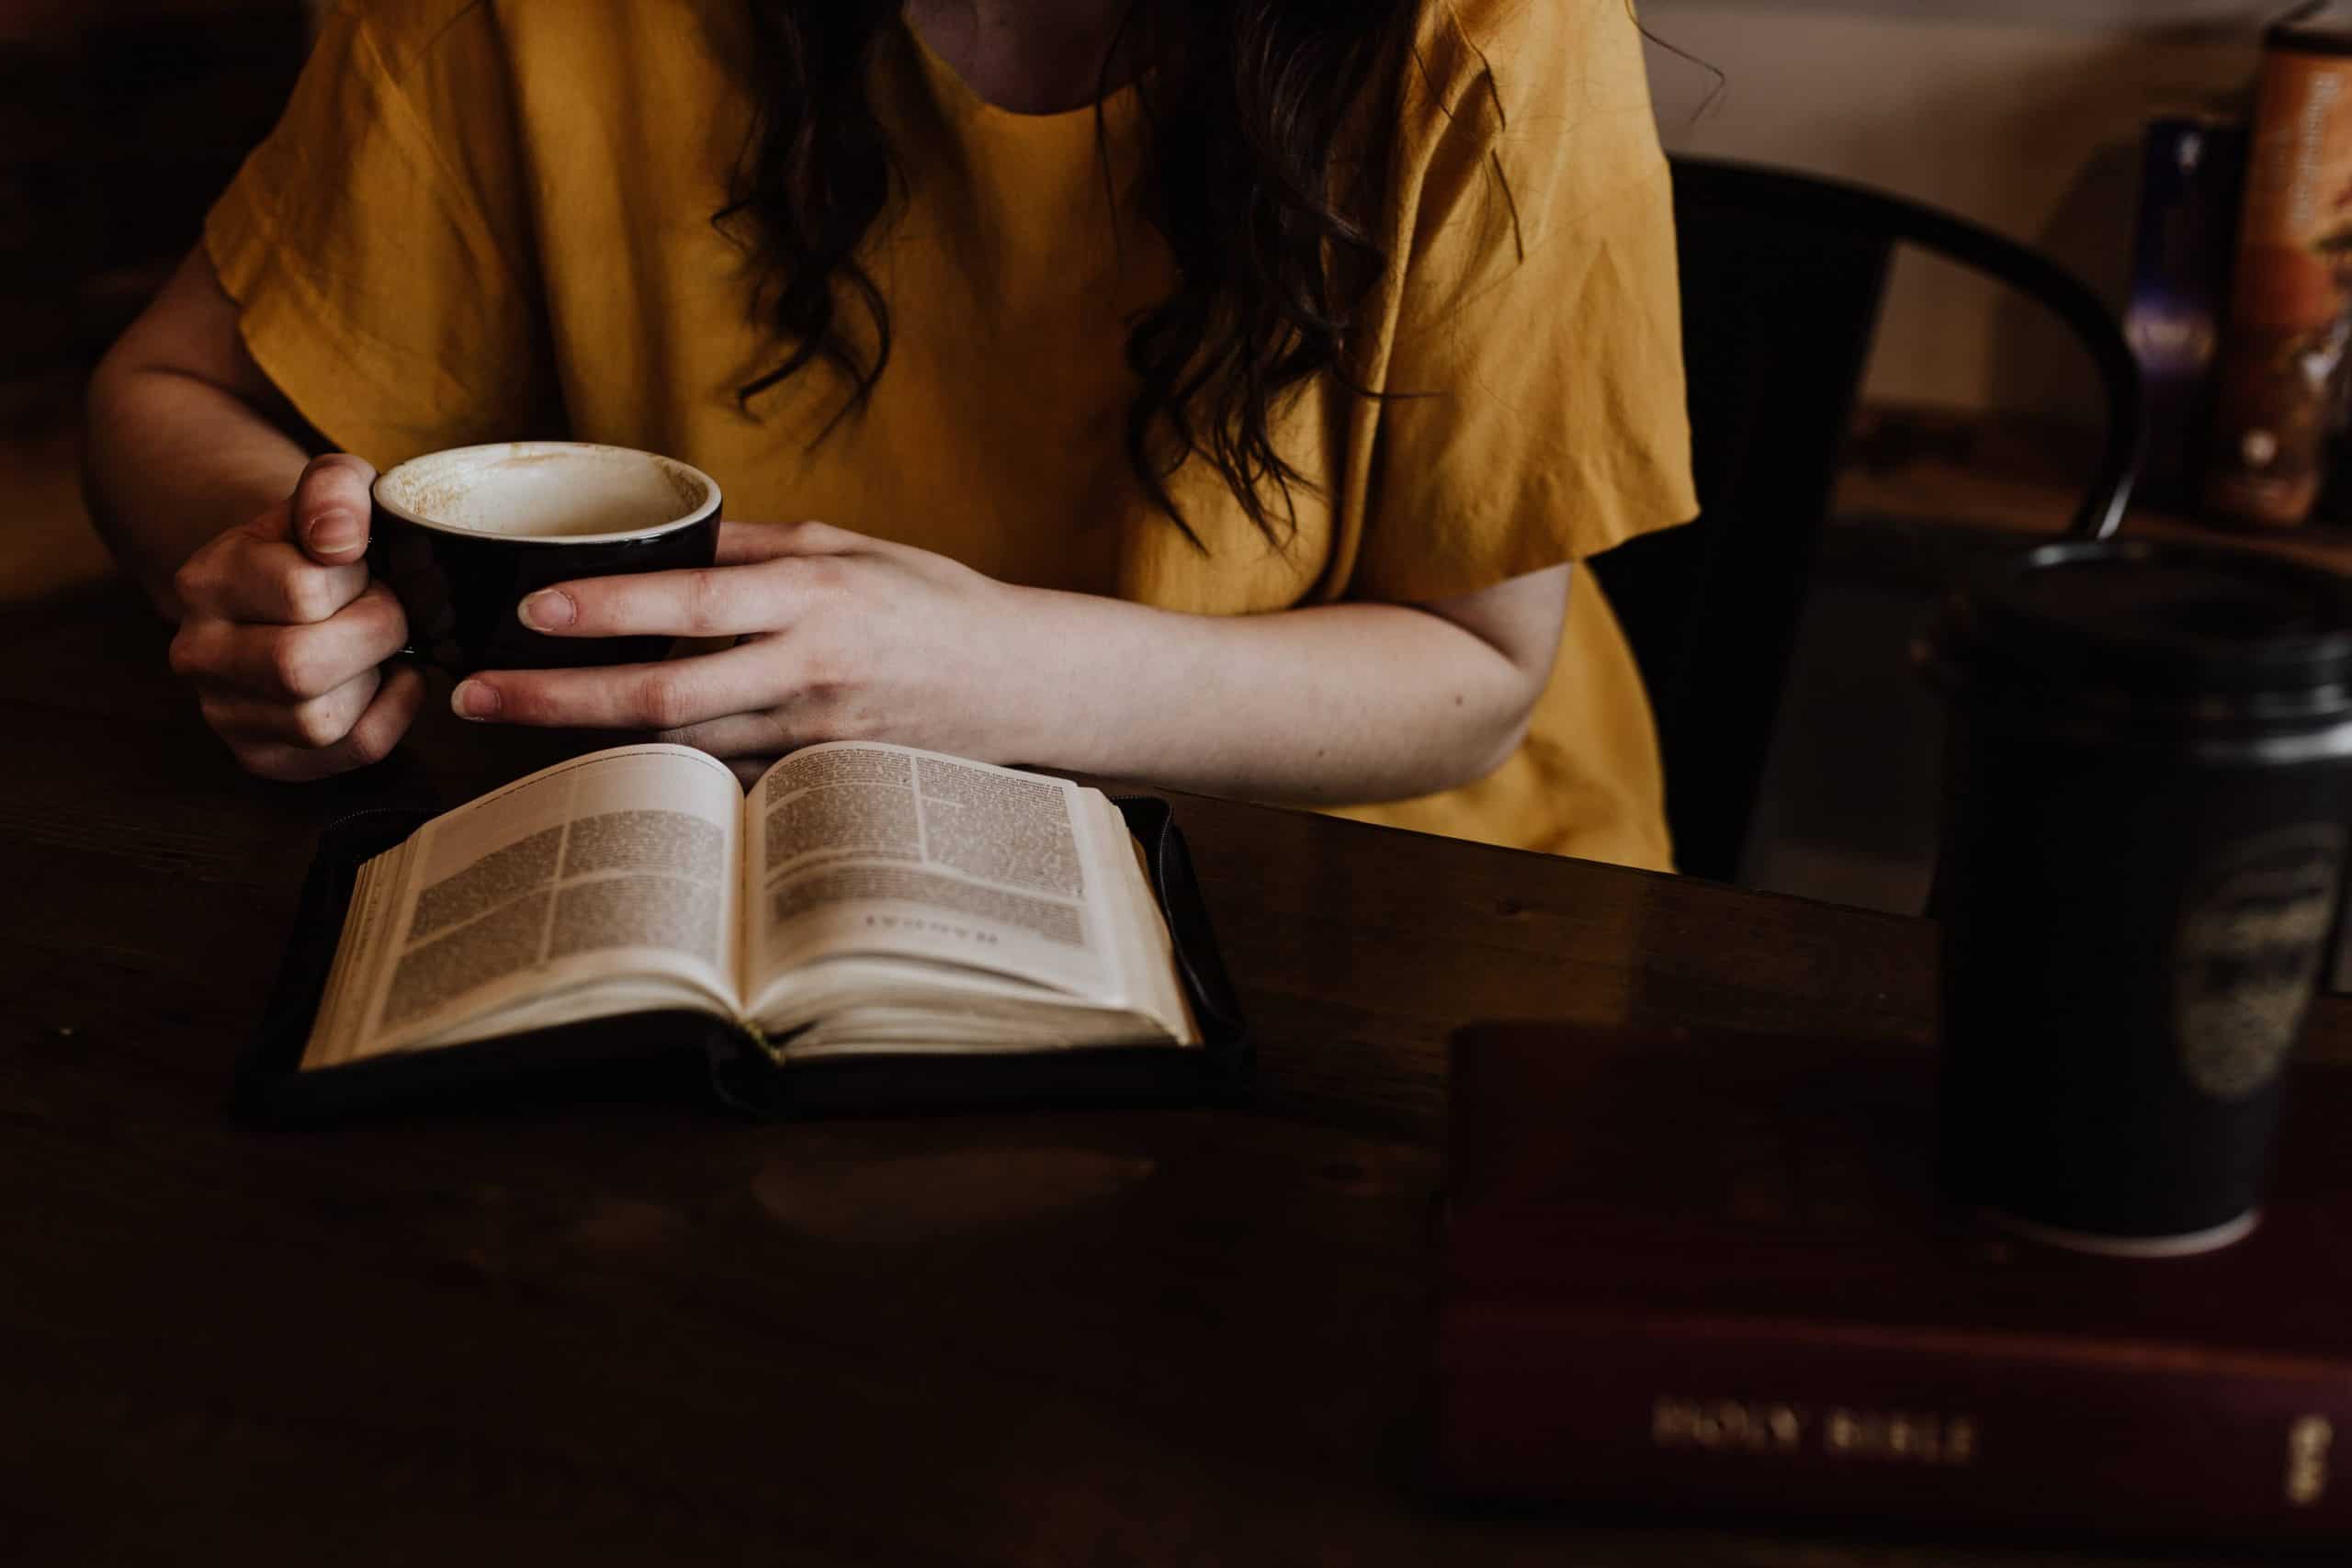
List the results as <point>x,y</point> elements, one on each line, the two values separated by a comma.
<point>631,1332</point>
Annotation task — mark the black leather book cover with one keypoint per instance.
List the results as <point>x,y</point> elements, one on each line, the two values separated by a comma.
<point>659,1050</point>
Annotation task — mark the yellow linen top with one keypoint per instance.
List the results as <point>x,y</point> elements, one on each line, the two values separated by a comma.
<point>483,220</point>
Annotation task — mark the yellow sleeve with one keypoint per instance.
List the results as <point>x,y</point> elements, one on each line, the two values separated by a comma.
<point>377,243</point>
<point>1534,410</point>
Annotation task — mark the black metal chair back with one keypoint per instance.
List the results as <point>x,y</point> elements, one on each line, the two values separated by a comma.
<point>1782,278</point>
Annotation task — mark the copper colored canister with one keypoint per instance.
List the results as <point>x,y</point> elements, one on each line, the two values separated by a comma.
<point>2284,356</point>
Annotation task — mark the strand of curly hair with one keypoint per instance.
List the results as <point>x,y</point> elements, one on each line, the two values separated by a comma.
<point>1251,183</point>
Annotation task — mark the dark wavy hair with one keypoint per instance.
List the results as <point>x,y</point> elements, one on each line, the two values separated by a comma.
<point>1265,198</point>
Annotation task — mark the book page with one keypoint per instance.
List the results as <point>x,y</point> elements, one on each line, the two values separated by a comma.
<point>853,849</point>
<point>615,867</point>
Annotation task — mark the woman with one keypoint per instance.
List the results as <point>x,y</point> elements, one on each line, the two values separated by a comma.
<point>1213,392</point>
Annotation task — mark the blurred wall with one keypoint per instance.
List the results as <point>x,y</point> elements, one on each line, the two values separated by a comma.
<point>2024,114</point>
<point>119,121</point>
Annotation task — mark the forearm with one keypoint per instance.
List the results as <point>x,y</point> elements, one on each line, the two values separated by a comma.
<point>173,461</point>
<point>849,638</point>
<point>1334,705</point>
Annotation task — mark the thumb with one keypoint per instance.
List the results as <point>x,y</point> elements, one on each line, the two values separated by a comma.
<point>329,511</point>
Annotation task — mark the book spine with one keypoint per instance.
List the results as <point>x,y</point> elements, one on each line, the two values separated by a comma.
<point>2284,351</point>
<point>1888,1425</point>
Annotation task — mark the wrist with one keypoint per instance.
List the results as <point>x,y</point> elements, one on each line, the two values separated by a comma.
<point>1045,707</point>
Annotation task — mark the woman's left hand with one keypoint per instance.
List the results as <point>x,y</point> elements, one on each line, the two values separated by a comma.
<point>842,638</point>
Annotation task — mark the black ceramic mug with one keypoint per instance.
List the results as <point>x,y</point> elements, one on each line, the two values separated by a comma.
<point>463,536</point>
<point>2148,779</point>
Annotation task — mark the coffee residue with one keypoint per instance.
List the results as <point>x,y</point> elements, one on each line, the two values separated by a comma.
<point>519,490</point>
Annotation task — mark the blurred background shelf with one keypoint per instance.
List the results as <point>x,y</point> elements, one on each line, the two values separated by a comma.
<point>1911,468</point>
<point>1926,497</point>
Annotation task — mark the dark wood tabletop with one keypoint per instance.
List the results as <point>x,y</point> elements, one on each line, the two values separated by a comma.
<point>630,1329</point>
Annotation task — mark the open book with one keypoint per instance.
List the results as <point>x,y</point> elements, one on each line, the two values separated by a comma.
<point>859,900</point>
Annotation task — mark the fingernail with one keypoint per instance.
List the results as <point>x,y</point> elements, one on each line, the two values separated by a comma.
<point>334,534</point>
<point>473,699</point>
<point>550,608</point>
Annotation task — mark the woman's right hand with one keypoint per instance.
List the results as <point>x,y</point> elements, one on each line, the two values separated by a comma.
<point>282,633</point>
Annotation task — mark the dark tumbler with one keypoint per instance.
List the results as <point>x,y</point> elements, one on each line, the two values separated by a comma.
<point>2148,777</point>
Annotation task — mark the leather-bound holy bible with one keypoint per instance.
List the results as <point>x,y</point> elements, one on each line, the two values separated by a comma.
<point>1690,1271</point>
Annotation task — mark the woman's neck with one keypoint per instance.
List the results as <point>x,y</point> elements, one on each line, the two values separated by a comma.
<point>1028,56</point>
